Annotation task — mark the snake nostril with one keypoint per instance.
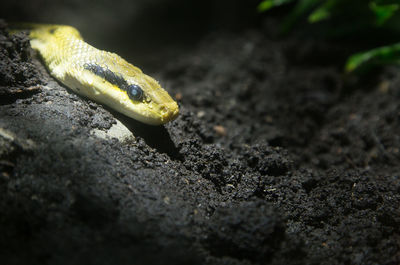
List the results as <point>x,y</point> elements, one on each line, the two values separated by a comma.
<point>163,110</point>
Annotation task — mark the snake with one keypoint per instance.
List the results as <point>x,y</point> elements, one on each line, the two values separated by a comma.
<point>100,75</point>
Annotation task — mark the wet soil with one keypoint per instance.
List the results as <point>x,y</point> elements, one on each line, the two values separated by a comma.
<point>276,158</point>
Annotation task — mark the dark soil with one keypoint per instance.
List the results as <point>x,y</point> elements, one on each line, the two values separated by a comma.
<point>276,158</point>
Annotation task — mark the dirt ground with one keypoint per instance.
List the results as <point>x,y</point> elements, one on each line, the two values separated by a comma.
<point>277,157</point>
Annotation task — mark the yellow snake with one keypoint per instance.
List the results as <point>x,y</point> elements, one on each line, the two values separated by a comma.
<point>100,75</point>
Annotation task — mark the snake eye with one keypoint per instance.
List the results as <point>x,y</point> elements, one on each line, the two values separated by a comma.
<point>135,92</point>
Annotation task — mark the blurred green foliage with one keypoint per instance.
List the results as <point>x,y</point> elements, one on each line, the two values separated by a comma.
<point>354,14</point>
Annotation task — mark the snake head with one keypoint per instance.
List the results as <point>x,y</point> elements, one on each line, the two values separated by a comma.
<point>153,103</point>
<point>128,90</point>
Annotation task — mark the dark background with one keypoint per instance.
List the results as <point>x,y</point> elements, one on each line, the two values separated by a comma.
<point>139,30</point>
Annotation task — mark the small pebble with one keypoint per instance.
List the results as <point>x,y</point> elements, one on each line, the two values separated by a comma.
<point>178,96</point>
<point>220,130</point>
<point>201,114</point>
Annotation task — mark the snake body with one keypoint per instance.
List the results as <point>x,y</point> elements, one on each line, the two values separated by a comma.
<point>100,75</point>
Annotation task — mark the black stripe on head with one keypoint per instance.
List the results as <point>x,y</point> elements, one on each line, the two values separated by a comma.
<point>135,92</point>
<point>110,76</point>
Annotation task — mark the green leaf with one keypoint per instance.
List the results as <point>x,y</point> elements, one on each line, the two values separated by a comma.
<point>383,12</point>
<point>268,4</point>
<point>323,12</point>
<point>381,55</point>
